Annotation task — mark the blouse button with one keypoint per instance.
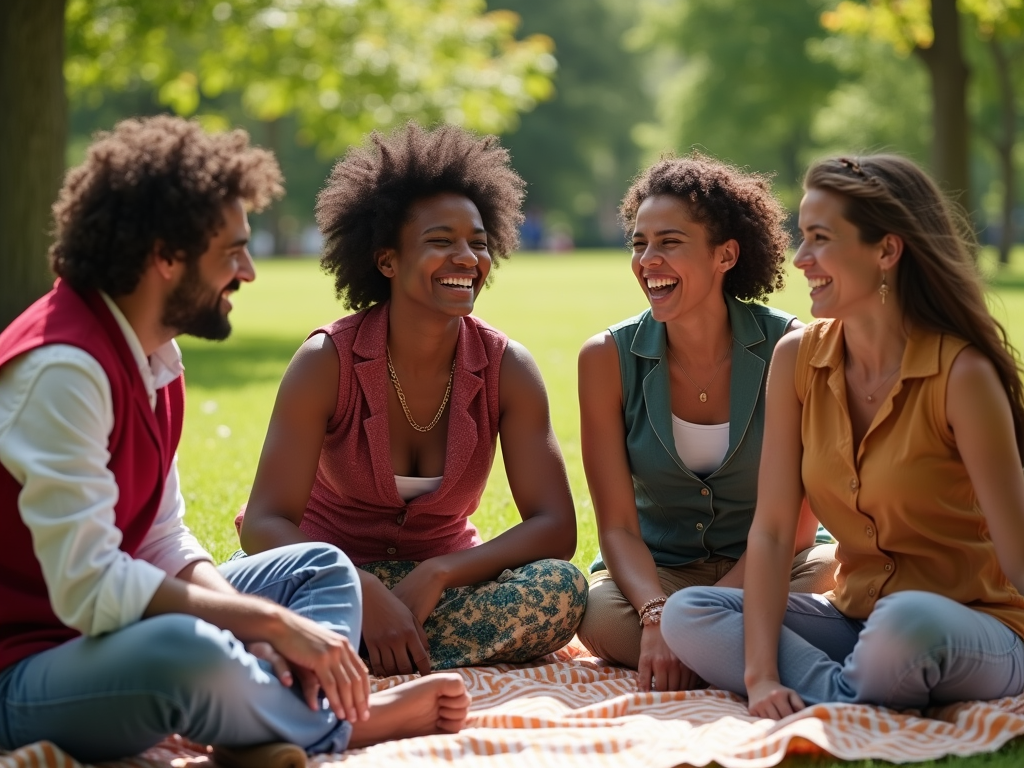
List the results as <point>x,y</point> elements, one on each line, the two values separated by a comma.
<point>853,484</point>
<point>888,566</point>
<point>871,591</point>
<point>392,550</point>
<point>700,526</point>
<point>869,532</point>
<point>704,492</point>
<point>401,518</point>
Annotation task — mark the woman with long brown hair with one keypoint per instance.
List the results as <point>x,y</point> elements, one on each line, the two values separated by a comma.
<point>902,419</point>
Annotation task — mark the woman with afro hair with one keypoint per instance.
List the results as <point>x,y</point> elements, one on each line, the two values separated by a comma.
<point>386,422</point>
<point>672,408</point>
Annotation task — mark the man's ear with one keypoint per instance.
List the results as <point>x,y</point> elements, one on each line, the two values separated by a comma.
<point>384,258</point>
<point>163,261</point>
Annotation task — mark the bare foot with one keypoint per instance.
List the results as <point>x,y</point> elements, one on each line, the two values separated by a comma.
<point>437,703</point>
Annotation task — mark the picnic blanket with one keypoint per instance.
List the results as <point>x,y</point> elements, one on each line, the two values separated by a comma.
<point>570,710</point>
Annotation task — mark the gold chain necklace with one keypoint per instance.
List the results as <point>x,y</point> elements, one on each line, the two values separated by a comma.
<point>405,406</point>
<point>871,397</point>
<point>702,390</point>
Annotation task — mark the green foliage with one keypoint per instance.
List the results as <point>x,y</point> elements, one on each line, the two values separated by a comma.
<point>738,79</point>
<point>576,151</point>
<point>881,104</point>
<point>342,67</point>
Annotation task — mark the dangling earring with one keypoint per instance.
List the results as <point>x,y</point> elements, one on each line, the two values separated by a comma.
<point>883,290</point>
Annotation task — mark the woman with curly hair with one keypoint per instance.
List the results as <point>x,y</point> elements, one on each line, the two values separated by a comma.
<point>672,408</point>
<point>901,417</point>
<point>385,425</point>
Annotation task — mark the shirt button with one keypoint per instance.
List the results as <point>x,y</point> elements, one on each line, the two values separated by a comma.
<point>854,484</point>
<point>401,518</point>
<point>888,566</point>
<point>700,526</point>
<point>392,550</point>
<point>871,591</point>
<point>704,492</point>
<point>869,531</point>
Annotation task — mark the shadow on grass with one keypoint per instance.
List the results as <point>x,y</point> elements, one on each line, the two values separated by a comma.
<point>237,362</point>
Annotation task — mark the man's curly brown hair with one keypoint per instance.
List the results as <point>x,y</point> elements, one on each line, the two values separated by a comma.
<point>153,183</point>
<point>731,204</point>
<point>369,192</point>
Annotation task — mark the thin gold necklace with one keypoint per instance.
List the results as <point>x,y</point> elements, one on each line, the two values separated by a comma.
<point>703,396</point>
<point>871,397</point>
<point>405,406</point>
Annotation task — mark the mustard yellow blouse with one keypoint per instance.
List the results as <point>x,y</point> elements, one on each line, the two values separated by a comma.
<point>901,504</point>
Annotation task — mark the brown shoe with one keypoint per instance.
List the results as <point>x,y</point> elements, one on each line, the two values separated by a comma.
<point>277,754</point>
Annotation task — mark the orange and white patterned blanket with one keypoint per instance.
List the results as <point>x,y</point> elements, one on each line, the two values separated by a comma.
<point>570,710</point>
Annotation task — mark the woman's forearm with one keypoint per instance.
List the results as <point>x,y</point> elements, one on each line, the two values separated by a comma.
<point>261,533</point>
<point>765,592</point>
<point>631,565</point>
<point>537,538</point>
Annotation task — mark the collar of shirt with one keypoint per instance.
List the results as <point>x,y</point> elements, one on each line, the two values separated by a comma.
<point>160,368</point>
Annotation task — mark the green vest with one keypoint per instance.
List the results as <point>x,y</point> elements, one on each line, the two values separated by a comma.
<point>685,518</point>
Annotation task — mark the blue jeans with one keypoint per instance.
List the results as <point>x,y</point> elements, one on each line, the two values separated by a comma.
<point>914,650</point>
<point>112,696</point>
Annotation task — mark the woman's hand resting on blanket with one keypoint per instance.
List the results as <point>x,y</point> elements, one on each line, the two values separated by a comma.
<point>394,637</point>
<point>659,668</point>
<point>770,698</point>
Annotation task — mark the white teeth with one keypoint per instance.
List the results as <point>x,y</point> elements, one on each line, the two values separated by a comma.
<point>654,283</point>
<point>817,282</point>
<point>459,282</point>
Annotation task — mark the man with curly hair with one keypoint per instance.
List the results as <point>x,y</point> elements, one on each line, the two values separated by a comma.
<point>672,407</point>
<point>116,628</point>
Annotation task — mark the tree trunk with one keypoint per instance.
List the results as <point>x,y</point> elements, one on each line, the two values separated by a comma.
<point>33,134</point>
<point>1005,146</point>
<point>948,71</point>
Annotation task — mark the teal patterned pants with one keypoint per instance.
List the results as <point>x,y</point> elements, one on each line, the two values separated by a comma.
<point>520,616</point>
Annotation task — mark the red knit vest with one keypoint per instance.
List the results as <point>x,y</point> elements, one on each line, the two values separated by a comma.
<point>354,503</point>
<point>142,445</point>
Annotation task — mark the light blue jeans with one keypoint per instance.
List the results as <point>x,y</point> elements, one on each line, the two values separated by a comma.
<point>116,695</point>
<point>915,649</point>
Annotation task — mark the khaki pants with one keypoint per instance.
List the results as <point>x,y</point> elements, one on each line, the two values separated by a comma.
<point>611,628</point>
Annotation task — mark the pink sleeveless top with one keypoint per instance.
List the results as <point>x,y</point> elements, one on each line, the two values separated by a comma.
<point>354,503</point>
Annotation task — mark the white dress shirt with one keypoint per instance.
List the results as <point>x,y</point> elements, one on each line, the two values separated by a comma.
<point>56,417</point>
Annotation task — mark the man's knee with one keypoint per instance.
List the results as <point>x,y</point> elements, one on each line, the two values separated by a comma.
<point>177,652</point>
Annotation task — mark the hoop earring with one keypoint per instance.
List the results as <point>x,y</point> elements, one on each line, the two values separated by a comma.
<point>883,290</point>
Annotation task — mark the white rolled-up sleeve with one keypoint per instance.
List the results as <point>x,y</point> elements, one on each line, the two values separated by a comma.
<point>56,416</point>
<point>169,544</point>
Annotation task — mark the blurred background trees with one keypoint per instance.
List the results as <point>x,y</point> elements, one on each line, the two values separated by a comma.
<point>583,92</point>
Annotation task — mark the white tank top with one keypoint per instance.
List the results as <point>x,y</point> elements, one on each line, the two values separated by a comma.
<point>411,487</point>
<point>702,447</point>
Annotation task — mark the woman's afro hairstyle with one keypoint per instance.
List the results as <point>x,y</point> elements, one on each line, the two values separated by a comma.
<point>158,182</point>
<point>369,193</point>
<point>731,205</point>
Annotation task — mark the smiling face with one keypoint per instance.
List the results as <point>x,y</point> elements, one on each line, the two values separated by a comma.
<point>442,258</point>
<point>676,266</point>
<point>843,273</point>
<point>199,304</point>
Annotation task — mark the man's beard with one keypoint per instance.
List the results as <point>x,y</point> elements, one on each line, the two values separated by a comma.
<point>191,309</point>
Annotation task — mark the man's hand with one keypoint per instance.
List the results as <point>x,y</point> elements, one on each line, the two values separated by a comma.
<point>659,668</point>
<point>770,698</point>
<point>394,637</point>
<point>324,660</point>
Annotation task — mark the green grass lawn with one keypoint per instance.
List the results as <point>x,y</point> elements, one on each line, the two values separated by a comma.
<point>552,304</point>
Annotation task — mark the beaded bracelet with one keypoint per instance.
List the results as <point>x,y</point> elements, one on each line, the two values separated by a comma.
<point>650,612</point>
